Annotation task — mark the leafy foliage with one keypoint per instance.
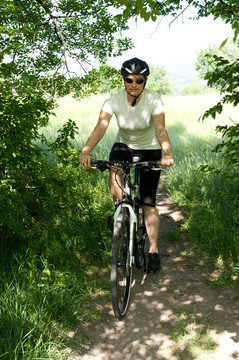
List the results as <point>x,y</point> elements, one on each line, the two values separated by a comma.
<point>152,9</point>
<point>220,68</point>
<point>157,80</point>
<point>226,10</point>
<point>55,33</point>
<point>229,146</point>
<point>223,74</point>
<point>208,190</point>
<point>46,208</point>
<point>47,252</point>
<point>39,40</point>
<point>205,59</point>
<point>215,209</point>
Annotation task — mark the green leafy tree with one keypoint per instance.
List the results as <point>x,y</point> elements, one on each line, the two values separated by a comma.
<point>48,49</point>
<point>158,81</point>
<point>221,71</point>
<point>205,59</point>
<point>47,44</point>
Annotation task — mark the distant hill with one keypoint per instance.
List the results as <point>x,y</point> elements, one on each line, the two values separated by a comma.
<point>181,74</point>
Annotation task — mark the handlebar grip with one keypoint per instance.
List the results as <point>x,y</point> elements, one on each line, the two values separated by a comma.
<point>98,164</point>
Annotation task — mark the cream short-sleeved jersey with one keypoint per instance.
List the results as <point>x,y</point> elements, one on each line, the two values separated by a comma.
<point>136,125</point>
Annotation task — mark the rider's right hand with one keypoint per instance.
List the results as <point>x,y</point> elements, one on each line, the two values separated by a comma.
<point>85,160</point>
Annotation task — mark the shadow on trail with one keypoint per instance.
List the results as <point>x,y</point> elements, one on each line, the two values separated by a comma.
<point>172,315</point>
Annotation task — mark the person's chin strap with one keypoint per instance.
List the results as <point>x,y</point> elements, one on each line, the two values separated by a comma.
<point>136,97</point>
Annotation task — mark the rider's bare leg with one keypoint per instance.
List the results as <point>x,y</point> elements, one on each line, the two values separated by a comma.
<point>115,190</point>
<point>152,222</point>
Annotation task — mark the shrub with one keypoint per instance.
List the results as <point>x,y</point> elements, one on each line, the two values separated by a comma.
<point>54,228</point>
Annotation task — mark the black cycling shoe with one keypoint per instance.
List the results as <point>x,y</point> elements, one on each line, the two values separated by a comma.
<point>154,263</point>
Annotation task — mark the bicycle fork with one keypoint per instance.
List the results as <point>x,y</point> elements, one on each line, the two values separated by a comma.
<point>133,225</point>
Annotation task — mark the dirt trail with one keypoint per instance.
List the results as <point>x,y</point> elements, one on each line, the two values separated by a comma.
<point>172,315</point>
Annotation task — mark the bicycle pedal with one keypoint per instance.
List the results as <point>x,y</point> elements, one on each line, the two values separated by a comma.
<point>152,271</point>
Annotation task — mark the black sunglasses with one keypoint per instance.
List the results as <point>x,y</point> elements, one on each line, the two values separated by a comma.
<point>138,81</point>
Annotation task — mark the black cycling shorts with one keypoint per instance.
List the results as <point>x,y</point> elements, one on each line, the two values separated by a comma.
<point>149,179</point>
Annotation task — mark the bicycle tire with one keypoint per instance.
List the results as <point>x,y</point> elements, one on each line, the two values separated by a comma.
<point>140,241</point>
<point>121,271</point>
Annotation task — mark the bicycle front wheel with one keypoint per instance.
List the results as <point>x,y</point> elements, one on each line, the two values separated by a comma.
<point>121,271</point>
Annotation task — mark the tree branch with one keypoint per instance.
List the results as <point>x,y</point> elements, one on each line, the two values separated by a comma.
<point>181,13</point>
<point>61,37</point>
<point>46,7</point>
<point>58,31</point>
<point>57,28</point>
<point>230,8</point>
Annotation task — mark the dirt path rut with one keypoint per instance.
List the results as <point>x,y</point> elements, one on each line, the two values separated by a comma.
<point>172,315</point>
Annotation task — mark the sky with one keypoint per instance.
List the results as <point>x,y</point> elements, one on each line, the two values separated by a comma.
<point>179,43</point>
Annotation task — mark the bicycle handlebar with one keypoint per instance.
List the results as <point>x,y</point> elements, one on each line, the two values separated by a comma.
<point>104,165</point>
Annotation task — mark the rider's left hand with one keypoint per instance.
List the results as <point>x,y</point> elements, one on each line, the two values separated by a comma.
<point>167,161</point>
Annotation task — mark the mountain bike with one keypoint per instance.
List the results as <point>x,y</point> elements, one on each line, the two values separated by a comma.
<point>129,232</point>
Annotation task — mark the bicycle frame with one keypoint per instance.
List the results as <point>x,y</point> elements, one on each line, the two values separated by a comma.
<point>133,220</point>
<point>133,217</point>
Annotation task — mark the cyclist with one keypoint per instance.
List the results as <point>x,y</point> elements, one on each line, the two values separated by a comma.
<point>141,132</point>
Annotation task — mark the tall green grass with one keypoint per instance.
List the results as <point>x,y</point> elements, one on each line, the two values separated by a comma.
<point>182,114</point>
<point>211,197</point>
<point>45,289</point>
<point>45,286</point>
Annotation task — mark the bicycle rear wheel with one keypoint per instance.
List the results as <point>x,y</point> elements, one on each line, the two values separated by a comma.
<point>121,271</point>
<point>140,238</point>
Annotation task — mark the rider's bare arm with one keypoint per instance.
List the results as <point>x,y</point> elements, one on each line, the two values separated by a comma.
<point>94,138</point>
<point>163,139</point>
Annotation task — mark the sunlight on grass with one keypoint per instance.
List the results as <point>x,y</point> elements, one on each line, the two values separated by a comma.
<point>189,136</point>
<point>85,113</point>
<point>191,336</point>
<point>182,114</point>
